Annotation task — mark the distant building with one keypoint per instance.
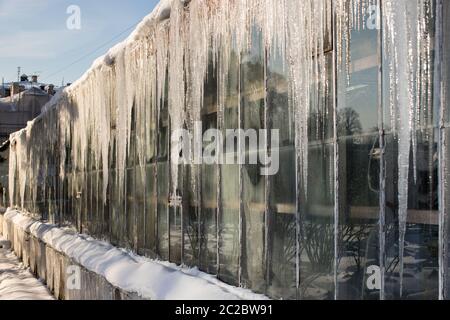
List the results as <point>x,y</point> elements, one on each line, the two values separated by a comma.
<point>21,102</point>
<point>18,109</point>
<point>11,88</point>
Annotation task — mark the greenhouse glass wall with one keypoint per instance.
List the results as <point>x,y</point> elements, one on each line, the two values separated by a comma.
<point>358,91</point>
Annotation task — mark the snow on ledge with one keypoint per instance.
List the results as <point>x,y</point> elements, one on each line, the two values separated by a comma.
<point>150,279</point>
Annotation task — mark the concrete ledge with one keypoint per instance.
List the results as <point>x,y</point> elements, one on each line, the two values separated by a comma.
<point>50,265</point>
<point>104,272</point>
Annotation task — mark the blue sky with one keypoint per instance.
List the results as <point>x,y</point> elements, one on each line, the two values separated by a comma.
<point>34,35</point>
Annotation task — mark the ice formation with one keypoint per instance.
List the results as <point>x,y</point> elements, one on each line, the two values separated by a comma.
<point>172,45</point>
<point>133,74</point>
<point>407,36</point>
<point>407,48</point>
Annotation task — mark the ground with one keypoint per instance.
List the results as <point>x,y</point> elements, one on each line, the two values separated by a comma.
<point>17,282</point>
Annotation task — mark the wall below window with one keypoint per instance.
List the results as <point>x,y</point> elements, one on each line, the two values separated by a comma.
<point>75,267</point>
<point>50,265</point>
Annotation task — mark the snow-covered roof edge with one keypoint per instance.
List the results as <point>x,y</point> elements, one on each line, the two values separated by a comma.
<point>161,12</point>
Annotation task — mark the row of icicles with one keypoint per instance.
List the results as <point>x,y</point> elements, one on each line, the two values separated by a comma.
<point>177,51</point>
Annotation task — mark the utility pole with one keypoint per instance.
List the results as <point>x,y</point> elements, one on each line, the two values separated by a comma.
<point>18,74</point>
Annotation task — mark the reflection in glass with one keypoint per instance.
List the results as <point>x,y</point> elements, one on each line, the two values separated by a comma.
<point>359,162</point>
<point>252,110</point>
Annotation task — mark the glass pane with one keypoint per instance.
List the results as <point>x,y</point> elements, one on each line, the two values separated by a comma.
<point>118,217</point>
<point>130,206</point>
<point>229,250</point>
<point>282,222</point>
<point>87,213</point>
<point>420,258</point>
<point>446,59</point>
<point>191,213</point>
<point>163,180</point>
<point>106,217</point>
<point>208,248</point>
<point>94,204</point>
<point>420,277</point>
<point>175,215</point>
<point>150,212</point>
<point>104,207</point>
<point>359,163</point>
<point>151,138</point>
<point>140,208</point>
<point>446,147</point>
<point>446,204</point>
<point>253,182</point>
<point>209,183</point>
<point>163,207</point>
<point>317,208</point>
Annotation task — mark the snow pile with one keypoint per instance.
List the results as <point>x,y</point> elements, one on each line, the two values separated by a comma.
<point>150,279</point>
<point>16,282</point>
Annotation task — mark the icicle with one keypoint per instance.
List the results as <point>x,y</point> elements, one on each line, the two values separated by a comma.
<point>306,26</point>
<point>176,50</point>
<point>177,91</point>
<point>12,170</point>
<point>406,47</point>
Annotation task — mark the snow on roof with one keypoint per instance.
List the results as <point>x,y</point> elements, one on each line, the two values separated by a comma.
<point>24,84</point>
<point>160,13</point>
<point>33,91</point>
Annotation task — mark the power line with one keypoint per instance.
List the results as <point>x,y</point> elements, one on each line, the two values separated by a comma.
<point>92,52</point>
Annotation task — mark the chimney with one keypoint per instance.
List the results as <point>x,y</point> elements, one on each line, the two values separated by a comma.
<point>15,89</point>
<point>34,79</point>
<point>50,89</point>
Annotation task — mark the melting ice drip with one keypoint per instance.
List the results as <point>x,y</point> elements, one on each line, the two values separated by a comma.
<point>95,115</point>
